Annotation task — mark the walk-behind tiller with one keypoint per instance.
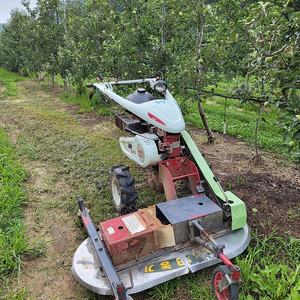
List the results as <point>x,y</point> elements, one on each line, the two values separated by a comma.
<point>146,247</point>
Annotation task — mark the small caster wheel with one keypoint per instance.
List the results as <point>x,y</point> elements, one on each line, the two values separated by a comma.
<point>231,292</point>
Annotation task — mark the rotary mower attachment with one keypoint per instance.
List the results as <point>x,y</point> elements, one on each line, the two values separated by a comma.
<point>147,254</point>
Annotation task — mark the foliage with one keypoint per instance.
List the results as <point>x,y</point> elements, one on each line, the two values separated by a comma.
<point>13,43</point>
<point>271,268</point>
<point>190,43</point>
<point>270,33</point>
<point>290,122</point>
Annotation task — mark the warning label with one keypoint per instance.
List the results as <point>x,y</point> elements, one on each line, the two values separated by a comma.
<point>110,230</point>
<point>134,223</point>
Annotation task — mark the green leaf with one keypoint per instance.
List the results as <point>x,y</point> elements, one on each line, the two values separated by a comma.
<point>295,295</point>
<point>263,285</point>
<point>296,135</point>
<point>282,119</point>
<point>290,15</point>
<point>286,136</point>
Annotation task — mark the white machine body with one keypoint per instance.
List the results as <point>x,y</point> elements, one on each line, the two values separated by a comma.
<point>141,148</point>
<point>163,113</point>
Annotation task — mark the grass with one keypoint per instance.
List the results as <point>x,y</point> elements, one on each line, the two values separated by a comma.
<point>13,240</point>
<point>97,103</point>
<point>8,80</point>
<point>79,157</point>
<point>240,120</point>
<point>271,268</point>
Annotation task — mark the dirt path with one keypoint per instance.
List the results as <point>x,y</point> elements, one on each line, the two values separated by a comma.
<point>67,153</point>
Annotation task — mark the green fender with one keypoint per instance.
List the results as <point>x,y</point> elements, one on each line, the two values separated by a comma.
<point>238,208</point>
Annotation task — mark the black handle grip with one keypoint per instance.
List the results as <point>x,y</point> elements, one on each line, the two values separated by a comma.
<point>80,202</point>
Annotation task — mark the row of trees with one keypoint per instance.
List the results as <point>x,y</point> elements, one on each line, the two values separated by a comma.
<point>181,39</point>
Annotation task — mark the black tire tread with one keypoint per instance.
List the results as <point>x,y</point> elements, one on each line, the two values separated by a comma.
<point>126,187</point>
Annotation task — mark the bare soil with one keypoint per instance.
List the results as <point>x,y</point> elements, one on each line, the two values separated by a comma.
<point>270,190</point>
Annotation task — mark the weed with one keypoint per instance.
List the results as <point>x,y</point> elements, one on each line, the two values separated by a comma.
<point>229,186</point>
<point>9,80</point>
<point>166,290</point>
<point>292,215</point>
<point>241,180</point>
<point>17,294</point>
<point>271,268</point>
<point>27,148</point>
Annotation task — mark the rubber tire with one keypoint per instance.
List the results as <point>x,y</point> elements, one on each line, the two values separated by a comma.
<point>230,293</point>
<point>122,190</point>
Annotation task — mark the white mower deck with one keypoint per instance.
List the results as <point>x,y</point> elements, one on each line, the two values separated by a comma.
<point>159,267</point>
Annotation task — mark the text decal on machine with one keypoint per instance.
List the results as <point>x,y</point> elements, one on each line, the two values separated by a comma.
<point>165,265</point>
<point>134,223</point>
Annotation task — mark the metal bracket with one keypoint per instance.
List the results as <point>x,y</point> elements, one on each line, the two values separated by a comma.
<point>200,189</point>
<point>191,235</point>
<point>226,281</point>
<point>131,280</point>
<point>164,146</point>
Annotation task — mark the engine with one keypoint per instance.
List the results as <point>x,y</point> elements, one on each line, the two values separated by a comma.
<point>149,144</point>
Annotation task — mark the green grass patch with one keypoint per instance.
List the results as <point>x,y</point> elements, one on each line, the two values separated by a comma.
<point>271,268</point>
<point>8,81</point>
<point>96,103</point>
<point>6,76</point>
<point>240,121</point>
<point>13,241</point>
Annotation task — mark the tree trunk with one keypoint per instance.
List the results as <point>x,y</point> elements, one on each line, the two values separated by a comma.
<point>65,83</point>
<point>257,158</point>
<point>211,136</point>
<point>69,80</point>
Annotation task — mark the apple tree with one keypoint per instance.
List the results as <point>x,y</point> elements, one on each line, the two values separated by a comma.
<point>269,32</point>
<point>15,41</point>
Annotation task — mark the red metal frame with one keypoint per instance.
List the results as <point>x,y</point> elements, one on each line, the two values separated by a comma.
<point>175,169</point>
<point>235,270</point>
